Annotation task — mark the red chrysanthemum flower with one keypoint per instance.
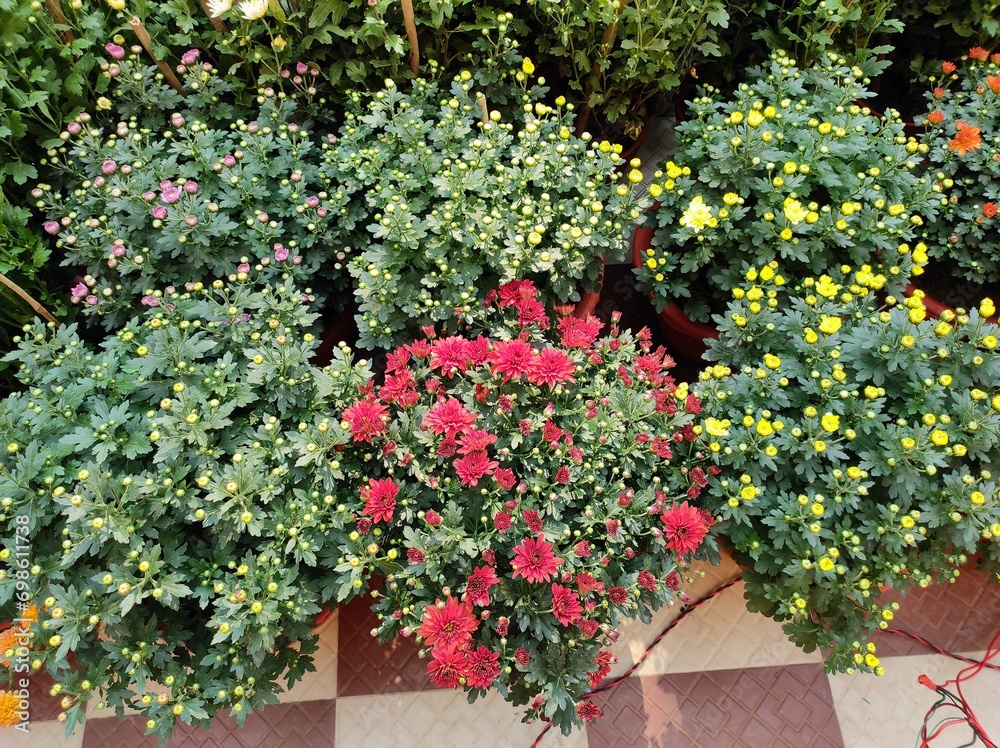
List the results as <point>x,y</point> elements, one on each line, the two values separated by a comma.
<point>588,711</point>
<point>447,448</point>
<point>562,475</point>
<point>692,405</point>
<point>618,595</point>
<point>505,478</point>
<point>475,440</point>
<point>522,656</point>
<point>474,466</point>
<point>397,359</point>
<point>604,660</point>
<point>612,526</point>
<point>366,419</point>
<point>582,549</point>
<point>489,556</point>
<point>515,291</point>
<point>967,138</point>
<point>565,605</point>
<point>511,358</point>
<point>448,417</point>
<point>482,667</point>
<point>533,520</point>
<point>415,556</point>
<point>447,667</point>
<point>586,583</point>
<point>448,626</point>
<point>551,432</point>
<point>551,366</point>
<point>420,348</point>
<point>400,388</point>
<point>477,588</point>
<point>978,53</point>
<point>503,625</point>
<point>647,580</point>
<point>661,448</point>
<point>380,498</point>
<point>579,333</point>
<point>432,518</point>
<point>588,627</point>
<point>673,581</point>
<point>501,521</point>
<point>534,560</point>
<point>450,355</point>
<point>684,528</point>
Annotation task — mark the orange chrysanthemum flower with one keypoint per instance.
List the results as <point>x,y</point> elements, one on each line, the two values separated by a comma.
<point>8,643</point>
<point>9,703</point>
<point>978,53</point>
<point>29,616</point>
<point>993,81</point>
<point>948,67</point>
<point>936,118</point>
<point>990,210</point>
<point>966,138</point>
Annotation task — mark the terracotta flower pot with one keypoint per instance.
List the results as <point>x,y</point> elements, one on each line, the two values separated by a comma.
<point>587,304</point>
<point>685,336</point>
<point>324,615</point>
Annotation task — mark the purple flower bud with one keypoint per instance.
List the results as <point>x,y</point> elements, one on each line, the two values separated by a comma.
<point>285,74</point>
<point>160,212</point>
<point>190,57</point>
<point>181,69</point>
<point>126,169</point>
<point>74,128</point>
<point>114,71</point>
<point>321,212</point>
<point>170,195</point>
<point>109,167</point>
<point>149,196</point>
<point>252,128</point>
<point>84,117</point>
<point>190,186</point>
<point>151,301</point>
<point>112,262</point>
<point>312,201</point>
<point>114,50</point>
<point>263,217</point>
<point>79,291</point>
<point>36,193</point>
<point>297,260</point>
<point>280,253</point>
<point>65,221</point>
<point>51,227</point>
<point>91,300</point>
<point>296,176</point>
<point>297,80</point>
<point>301,67</point>
<point>207,67</point>
<point>243,267</point>
<point>313,71</point>
<point>118,250</point>
<point>228,160</point>
<point>176,120</point>
<point>191,221</point>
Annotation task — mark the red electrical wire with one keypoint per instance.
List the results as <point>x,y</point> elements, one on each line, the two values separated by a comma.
<point>685,611</point>
<point>958,702</point>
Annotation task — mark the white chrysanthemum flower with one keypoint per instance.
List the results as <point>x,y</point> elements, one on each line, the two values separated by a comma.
<point>253,9</point>
<point>217,7</point>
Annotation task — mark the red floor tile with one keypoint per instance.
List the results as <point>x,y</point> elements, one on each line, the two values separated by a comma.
<point>774,707</point>
<point>959,617</point>
<point>364,666</point>
<point>302,724</point>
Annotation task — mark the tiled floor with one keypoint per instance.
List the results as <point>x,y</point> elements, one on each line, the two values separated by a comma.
<point>722,678</point>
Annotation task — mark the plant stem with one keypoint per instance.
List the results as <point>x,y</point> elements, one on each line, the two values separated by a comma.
<point>147,43</point>
<point>35,305</point>
<point>610,35</point>
<point>55,10</point>
<point>216,22</point>
<point>411,35</point>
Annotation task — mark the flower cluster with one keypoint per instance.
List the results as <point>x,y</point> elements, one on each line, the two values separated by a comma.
<point>462,201</point>
<point>180,495</point>
<point>794,168</point>
<point>963,140</point>
<point>532,496</point>
<point>854,437</point>
<point>179,194</point>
